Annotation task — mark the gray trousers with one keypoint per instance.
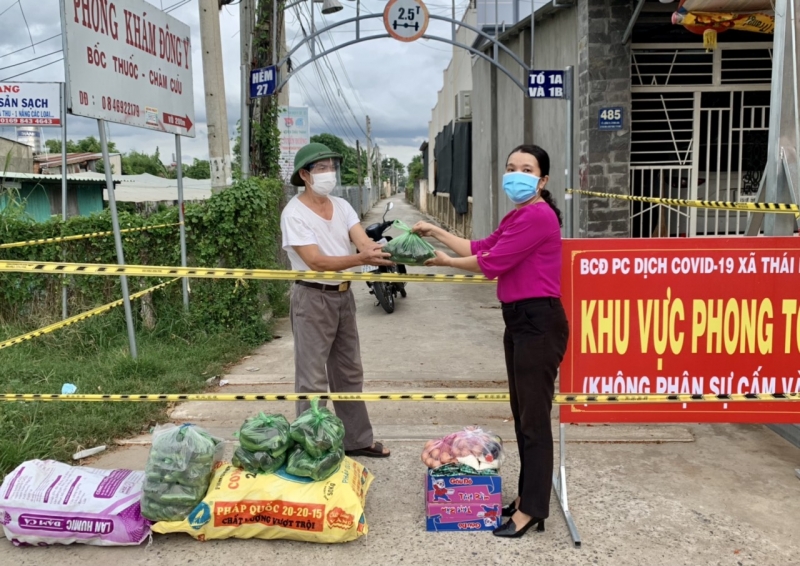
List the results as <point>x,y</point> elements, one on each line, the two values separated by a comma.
<point>327,353</point>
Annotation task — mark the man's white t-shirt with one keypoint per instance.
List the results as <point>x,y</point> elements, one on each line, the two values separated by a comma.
<point>301,226</point>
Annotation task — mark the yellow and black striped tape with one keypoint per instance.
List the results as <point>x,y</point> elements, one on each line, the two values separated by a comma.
<point>217,273</point>
<point>559,399</point>
<point>82,236</point>
<point>711,204</point>
<point>79,317</point>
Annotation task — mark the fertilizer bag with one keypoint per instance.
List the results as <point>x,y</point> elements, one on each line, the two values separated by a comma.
<point>46,502</point>
<point>279,506</point>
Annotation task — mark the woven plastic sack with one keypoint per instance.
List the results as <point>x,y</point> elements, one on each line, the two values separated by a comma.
<point>302,464</point>
<point>257,462</point>
<point>470,447</point>
<point>280,506</point>
<point>178,471</point>
<point>46,502</point>
<point>317,430</point>
<point>266,433</point>
<point>408,248</point>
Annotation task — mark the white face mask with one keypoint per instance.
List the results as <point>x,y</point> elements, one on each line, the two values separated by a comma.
<point>323,183</point>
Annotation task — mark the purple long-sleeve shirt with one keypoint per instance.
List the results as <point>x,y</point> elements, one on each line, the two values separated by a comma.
<point>523,254</point>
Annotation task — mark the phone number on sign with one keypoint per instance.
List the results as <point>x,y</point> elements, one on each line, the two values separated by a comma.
<point>120,106</point>
<point>31,121</point>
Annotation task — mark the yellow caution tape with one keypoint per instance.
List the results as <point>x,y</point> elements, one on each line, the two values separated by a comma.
<point>82,236</point>
<point>111,269</point>
<point>560,399</point>
<point>712,204</point>
<point>79,317</point>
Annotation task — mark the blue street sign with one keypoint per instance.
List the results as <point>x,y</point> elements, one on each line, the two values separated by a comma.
<point>546,84</point>
<point>610,119</point>
<point>263,82</point>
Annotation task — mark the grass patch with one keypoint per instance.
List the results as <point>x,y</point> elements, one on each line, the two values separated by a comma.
<point>93,355</point>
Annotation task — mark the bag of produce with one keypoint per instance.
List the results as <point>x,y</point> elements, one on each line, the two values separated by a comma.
<point>302,464</point>
<point>46,502</point>
<point>408,248</point>
<point>257,462</point>
<point>317,430</point>
<point>178,471</point>
<point>471,447</point>
<point>279,506</point>
<point>266,433</point>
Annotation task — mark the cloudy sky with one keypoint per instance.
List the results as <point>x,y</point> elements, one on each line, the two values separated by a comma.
<point>395,83</point>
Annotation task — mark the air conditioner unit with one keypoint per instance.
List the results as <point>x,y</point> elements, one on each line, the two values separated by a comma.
<point>463,106</point>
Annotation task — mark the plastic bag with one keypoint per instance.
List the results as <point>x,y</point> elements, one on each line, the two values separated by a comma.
<point>471,447</point>
<point>302,464</point>
<point>317,430</point>
<point>178,471</point>
<point>257,462</point>
<point>47,502</point>
<point>279,506</point>
<point>408,248</point>
<point>266,433</point>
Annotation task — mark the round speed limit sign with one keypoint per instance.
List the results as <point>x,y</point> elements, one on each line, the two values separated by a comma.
<point>406,20</point>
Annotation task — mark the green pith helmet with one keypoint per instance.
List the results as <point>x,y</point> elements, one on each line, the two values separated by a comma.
<point>307,155</point>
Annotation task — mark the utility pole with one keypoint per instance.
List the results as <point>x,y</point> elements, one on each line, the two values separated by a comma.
<point>380,178</point>
<point>360,180</point>
<point>246,22</point>
<point>219,145</point>
<point>369,153</point>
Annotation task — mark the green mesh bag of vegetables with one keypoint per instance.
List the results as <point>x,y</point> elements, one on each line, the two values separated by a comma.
<point>266,433</point>
<point>408,248</point>
<point>178,471</point>
<point>257,462</point>
<point>317,430</point>
<point>301,463</point>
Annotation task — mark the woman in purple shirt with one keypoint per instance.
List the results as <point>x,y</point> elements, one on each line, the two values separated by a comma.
<point>524,255</point>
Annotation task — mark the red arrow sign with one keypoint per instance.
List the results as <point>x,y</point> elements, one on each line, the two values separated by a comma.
<point>179,121</point>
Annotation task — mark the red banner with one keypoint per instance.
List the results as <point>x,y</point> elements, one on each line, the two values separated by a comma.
<point>705,315</point>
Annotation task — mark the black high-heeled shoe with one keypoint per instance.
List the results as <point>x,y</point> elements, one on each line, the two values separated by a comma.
<point>509,510</point>
<point>509,529</point>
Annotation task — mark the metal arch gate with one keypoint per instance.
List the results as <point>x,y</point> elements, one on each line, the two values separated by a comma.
<point>360,39</point>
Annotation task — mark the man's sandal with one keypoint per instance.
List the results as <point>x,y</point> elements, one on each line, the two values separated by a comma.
<point>374,451</point>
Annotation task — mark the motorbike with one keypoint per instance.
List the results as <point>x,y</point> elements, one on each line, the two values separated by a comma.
<point>385,292</point>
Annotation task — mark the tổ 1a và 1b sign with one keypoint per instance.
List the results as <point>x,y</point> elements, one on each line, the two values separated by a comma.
<point>30,104</point>
<point>710,315</point>
<point>546,84</point>
<point>129,63</point>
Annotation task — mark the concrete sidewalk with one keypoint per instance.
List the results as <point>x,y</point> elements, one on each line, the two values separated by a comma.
<point>655,495</point>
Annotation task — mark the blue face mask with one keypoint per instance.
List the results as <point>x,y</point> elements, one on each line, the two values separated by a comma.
<point>520,187</point>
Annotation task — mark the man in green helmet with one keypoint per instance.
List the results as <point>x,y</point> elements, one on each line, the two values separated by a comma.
<point>317,231</point>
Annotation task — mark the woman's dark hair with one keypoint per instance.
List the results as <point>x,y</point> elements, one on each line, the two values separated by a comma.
<point>544,166</point>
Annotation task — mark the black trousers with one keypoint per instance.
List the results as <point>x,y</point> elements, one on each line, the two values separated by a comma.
<point>535,341</point>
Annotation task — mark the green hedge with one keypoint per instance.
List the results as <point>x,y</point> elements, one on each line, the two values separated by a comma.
<point>238,227</point>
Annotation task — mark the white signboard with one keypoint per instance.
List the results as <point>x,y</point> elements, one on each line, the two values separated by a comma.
<point>30,104</point>
<point>295,133</point>
<point>129,63</point>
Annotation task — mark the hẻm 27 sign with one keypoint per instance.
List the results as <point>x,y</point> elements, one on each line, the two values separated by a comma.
<point>129,63</point>
<point>711,315</point>
<point>30,104</point>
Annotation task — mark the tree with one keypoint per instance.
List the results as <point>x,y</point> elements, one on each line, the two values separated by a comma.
<point>86,145</point>
<point>199,169</point>
<point>390,166</point>
<point>416,170</point>
<point>137,163</point>
<point>350,158</point>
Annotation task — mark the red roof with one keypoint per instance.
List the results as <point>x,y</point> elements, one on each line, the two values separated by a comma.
<point>72,158</point>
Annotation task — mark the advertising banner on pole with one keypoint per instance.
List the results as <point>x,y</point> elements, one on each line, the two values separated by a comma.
<point>704,315</point>
<point>30,104</point>
<point>129,63</point>
<point>295,133</point>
